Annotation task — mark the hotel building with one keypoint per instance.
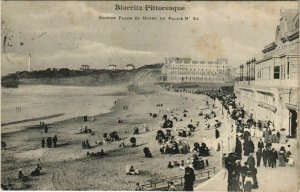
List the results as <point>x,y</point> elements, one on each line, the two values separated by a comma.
<point>178,70</point>
<point>269,85</point>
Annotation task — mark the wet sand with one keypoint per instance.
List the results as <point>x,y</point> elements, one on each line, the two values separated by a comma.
<point>69,168</point>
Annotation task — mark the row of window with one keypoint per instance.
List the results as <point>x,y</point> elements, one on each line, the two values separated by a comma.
<point>198,79</point>
<point>195,71</point>
<point>201,66</point>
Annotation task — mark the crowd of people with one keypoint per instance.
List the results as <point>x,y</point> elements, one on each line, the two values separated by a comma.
<point>173,140</point>
<point>50,141</point>
<point>244,178</point>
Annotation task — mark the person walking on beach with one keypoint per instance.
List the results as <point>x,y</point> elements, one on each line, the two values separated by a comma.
<point>46,129</point>
<point>49,142</point>
<point>55,139</point>
<point>43,142</point>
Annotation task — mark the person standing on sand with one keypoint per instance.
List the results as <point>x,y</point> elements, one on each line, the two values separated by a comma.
<point>55,139</point>
<point>3,145</point>
<point>217,133</point>
<point>46,129</point>
<point>43,142</point>
<point>137,187</point>
<point>49,142</point>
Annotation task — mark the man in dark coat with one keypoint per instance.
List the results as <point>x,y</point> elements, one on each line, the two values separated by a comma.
<point>265,157</point>
<point>238,148</point>
<point>268,145</point>
<point>248,147</point>
<point>46,129</point>
<point>269,157</point>
<point>260,145</point>
<point>251,146</point>
<point>274,158</point>
<point>258,157</point>
<point>189,179</point>
<point>55,139</point>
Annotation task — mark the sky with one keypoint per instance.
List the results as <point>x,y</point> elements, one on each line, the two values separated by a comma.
<point>69,34</point>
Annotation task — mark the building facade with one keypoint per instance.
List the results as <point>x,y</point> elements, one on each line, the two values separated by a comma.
<point>129,67</point>
<point>269,86</point>
<point>112,67</point>
<point>85,67</point>
<point>179,70</point>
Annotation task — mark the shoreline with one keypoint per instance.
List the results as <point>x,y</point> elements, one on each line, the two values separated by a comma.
<point>58,116</point>
<point>32,119</point>
<point>75,159</point>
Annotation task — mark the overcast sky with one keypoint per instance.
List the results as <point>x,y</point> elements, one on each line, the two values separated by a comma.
<point>69,34</point>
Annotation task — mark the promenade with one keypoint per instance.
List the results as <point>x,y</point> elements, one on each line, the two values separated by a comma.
<point>279,179</point>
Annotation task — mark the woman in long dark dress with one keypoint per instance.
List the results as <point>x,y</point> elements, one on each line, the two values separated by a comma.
<point>189,179</point>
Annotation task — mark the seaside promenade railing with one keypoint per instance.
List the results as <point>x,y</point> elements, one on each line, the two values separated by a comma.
<point>154,184</point>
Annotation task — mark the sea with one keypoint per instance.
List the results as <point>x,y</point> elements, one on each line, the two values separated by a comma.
<point>29,104</point>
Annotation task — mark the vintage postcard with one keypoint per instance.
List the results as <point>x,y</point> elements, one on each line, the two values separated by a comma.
<point>150,96</point>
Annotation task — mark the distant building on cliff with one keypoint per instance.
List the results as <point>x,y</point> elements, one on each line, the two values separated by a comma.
<point>112,67</point>
<point>85,67</point>
<point>269,86</point>
<point>129,67</point>
<point>177,70</point>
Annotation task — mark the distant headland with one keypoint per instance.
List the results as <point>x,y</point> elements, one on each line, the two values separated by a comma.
<point>65,76</point>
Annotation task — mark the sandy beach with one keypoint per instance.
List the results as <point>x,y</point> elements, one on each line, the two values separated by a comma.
<point>67,167</point>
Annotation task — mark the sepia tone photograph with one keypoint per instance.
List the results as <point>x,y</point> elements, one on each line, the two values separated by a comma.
<point>150,96</point>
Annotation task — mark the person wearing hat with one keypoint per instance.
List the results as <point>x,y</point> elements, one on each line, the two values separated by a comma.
<point>258,157</point>
<point>274,158</point>
<point>260,144</point>
<point>189,179</point>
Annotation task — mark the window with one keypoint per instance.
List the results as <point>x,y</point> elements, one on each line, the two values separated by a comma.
<point>276,72</point>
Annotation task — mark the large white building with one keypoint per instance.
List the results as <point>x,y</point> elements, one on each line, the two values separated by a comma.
<point>269,85</point>
<point>179,70</point>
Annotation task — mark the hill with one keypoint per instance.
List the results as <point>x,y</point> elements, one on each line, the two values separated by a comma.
<point>65,76</point>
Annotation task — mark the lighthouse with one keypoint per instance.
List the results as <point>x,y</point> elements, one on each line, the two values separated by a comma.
<point>29,63</point>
